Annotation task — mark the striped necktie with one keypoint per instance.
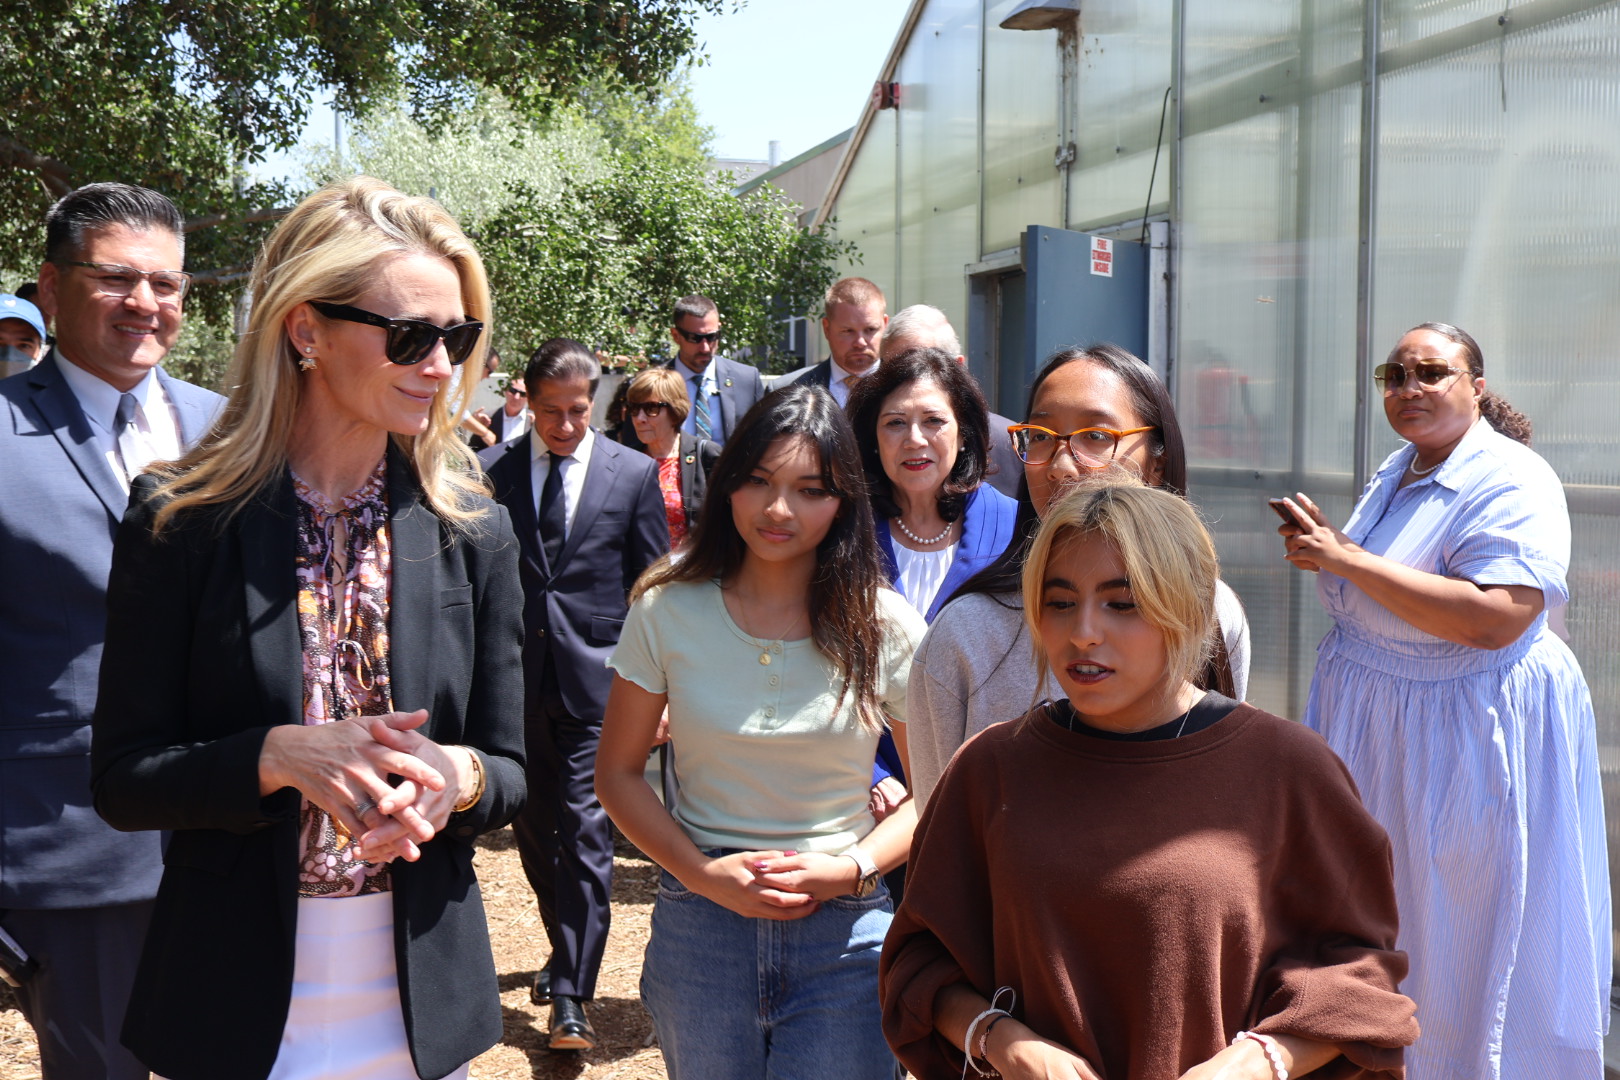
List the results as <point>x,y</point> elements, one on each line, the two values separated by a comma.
<point>702,425</point>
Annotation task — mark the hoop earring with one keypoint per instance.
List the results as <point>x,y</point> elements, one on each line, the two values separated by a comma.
<point>307,362</point>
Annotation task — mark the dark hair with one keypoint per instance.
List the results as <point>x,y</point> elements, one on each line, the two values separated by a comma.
<point>1151,400</point>
<point>1492,406</point>
<point>697,306</point>
<point>562,358</point>
<point>96,206</point>
<point>967,403</point>
<point>849,571</point>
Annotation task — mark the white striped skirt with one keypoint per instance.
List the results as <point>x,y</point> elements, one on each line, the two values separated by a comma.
<point>346,1021</point>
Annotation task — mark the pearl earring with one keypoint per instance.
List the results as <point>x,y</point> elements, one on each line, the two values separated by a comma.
<point>307,361</point>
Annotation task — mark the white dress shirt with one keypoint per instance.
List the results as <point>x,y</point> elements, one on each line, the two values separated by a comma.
<point>156,428</point>
<point>835,382</point>
<point>573,477</point>
<point>514,427</point>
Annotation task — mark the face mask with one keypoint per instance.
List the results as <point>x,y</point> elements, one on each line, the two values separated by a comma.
<point>13,360</point>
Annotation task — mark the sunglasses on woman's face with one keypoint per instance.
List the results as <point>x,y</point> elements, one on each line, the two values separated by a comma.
<point>1430,374</point>
<point>651,408</point>
<point>410,340</point>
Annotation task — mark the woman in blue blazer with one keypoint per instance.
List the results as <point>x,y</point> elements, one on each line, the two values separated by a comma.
<point>924,432</point>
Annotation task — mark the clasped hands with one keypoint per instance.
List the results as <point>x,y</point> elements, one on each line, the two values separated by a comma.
<point>344,768</point>
<point>779,885</point>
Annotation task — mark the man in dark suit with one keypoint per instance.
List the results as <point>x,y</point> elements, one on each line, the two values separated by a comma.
<point>720,390</point>
<point>512,420</point>
<point>923,327</point>
<point>74,430</point>
<point>854,318</point>
<point>589,518</point>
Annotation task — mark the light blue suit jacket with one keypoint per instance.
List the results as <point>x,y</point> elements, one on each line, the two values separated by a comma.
<point>60,504</point>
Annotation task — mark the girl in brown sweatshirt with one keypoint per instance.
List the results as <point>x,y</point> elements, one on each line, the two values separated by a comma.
<point>1173,886</point>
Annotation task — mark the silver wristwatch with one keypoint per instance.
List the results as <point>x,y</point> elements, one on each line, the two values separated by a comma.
<point>869,872</point>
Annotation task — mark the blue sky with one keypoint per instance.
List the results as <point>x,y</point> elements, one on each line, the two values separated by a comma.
<point>794,70</point>
<point>797,71</point>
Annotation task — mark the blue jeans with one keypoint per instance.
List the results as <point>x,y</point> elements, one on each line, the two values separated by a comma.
<point>734,998</point>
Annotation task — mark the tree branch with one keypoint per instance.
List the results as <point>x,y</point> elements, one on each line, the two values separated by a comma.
<point>221,276</point>
<point>52,173</point>
<point>209,221</point>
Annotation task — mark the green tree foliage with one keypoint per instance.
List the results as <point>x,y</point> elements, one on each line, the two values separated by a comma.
<point>179,94</point>
<point>606,259</point>
<point>593,221</point>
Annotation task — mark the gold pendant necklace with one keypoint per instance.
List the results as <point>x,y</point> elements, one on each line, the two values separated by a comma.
<point>766,647</point>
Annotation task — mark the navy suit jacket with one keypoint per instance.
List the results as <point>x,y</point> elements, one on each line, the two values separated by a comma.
<point>739,386</point>
<point>60,504</point>
<point>203,658</point>
<point>574,611</point>
<point>814,375</point>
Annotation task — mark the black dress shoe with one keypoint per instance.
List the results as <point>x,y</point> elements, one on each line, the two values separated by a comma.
<point>540,992</point>
<point>570,1030</point>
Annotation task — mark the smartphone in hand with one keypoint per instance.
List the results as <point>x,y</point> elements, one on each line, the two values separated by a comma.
<point>1287,513</point>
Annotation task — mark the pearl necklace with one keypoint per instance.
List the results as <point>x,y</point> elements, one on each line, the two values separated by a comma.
<point>1424,472</point>
<point>915,539</point>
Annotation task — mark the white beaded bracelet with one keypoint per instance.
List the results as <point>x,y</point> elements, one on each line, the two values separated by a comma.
<point>1269,1045</point>
<point>994,1010</point>
<point>967,1042</point>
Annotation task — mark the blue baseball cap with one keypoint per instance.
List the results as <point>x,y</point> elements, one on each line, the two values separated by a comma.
<point>15,307</point>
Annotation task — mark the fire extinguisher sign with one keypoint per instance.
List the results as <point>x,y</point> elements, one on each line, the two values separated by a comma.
<point>1102,256</point>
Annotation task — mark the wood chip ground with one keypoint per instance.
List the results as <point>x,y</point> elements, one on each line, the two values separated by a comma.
<point>627,1051</point>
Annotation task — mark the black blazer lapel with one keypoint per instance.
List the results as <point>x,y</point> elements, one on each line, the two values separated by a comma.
<point>267,532</point>
<point>61,412</point>
<point>593,494</point>
<point>413,599</point>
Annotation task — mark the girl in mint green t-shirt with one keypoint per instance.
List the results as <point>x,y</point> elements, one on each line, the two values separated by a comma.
<point>776,649</point>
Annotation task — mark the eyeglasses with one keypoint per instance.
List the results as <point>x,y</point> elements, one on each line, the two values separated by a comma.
<point>410,340</point>
<point>168,286</point>
<point>515,392</point>
<point>651,408</point>
<point>1430,374</point>
<point>698,339</point>
<point>1093,447</point>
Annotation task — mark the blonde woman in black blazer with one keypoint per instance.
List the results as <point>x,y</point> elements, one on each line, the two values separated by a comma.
<point>207,723</point>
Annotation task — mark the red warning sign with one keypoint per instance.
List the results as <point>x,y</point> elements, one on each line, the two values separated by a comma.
<point>1102,256</point>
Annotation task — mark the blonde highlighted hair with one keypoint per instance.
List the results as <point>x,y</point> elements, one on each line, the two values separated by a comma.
<point>1169,561</point>
<point>327,249</point>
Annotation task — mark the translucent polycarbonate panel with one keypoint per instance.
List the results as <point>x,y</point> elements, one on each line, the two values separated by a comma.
<point>865,212</point>
<point>1122,71</point>
<point>1505,222</point>
<point>1593,623</point>
<point>1239,294</point>
<point>1406,22</point>
<point>938,163</point>
<point>1232,44</point>
<point>1022,77</point>
<point>1285,620</point>
<point>1328,249</point>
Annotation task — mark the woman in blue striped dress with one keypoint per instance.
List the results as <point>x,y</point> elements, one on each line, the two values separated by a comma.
<point>1467,723</point>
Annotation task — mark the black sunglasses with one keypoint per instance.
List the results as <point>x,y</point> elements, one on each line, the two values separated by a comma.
<point>651,408</point>
<point>698,339</point>
<point>409,340</point>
